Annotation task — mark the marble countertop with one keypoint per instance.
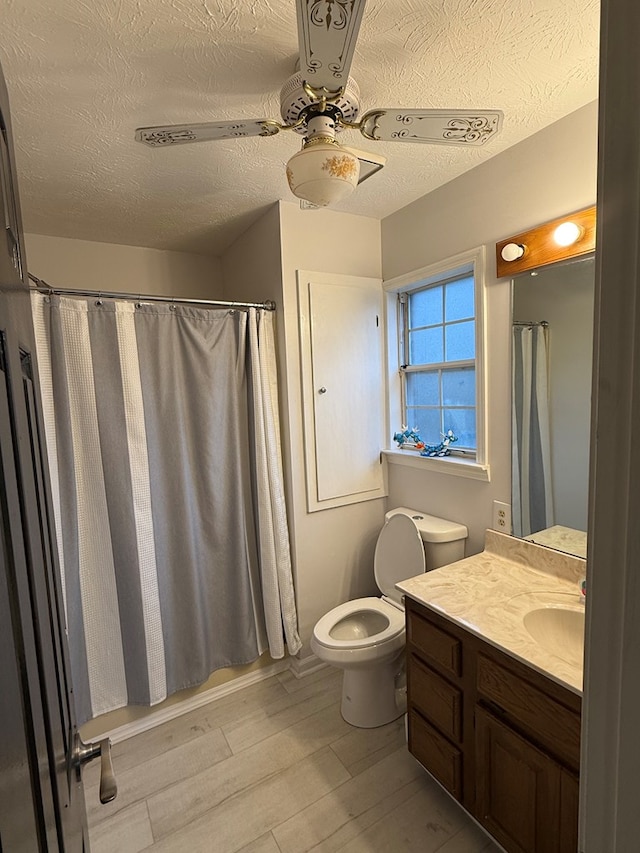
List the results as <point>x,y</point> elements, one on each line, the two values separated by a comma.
<point>562,539</point>
<point>490,593</point>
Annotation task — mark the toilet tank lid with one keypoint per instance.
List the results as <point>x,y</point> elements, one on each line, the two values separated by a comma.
<point>430,527</point>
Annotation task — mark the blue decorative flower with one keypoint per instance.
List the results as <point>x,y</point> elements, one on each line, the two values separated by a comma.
<point>441,449</point>
<point>407,436</point>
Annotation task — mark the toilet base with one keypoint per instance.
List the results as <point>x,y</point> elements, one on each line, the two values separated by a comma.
<point>369,695</point>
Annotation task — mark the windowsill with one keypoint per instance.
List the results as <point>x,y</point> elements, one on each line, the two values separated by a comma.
<point>453,465</point>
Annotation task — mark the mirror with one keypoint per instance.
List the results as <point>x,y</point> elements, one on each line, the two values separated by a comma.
<point>553,309</point>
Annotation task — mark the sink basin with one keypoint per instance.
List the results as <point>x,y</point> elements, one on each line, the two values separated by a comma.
<point>559,629</point>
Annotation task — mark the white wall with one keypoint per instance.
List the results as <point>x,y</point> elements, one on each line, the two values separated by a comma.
<point>563,295</point>
<point>547,175</point>
<point>251,267</point>
<point>333,548</point>
<point>87,265</point>
<point>252,270</point>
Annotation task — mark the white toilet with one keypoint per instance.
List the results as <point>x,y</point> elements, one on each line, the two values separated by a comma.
<point>366,637</point>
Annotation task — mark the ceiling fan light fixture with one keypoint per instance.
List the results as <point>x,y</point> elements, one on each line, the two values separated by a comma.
<point>323,173</point>
<point>321,99</point>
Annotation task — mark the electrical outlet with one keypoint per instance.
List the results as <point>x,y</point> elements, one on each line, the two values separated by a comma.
<point>501,517</point>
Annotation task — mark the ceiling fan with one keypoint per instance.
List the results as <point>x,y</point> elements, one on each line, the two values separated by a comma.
<point>321,99</point>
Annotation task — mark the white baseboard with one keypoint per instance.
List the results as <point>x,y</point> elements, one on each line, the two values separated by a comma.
<point>171,712</point>
<point>306,666</point>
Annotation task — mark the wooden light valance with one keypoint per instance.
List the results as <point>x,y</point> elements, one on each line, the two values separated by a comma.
<point>538,247</point>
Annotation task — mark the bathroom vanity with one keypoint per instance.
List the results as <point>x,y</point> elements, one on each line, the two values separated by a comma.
<point>493,714</point>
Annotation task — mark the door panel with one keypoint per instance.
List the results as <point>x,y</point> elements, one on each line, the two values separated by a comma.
<point>341,336</point>
<point>21,817</point>
<point>41,798</point>
<point>23,624</point>
<point>346,352</point>
<point>53,662</point>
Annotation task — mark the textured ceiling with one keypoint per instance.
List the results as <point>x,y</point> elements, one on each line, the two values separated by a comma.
<point>83,74</point>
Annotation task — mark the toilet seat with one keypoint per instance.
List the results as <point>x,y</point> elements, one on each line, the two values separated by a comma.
<point>325,625</point>
<point>399,555</point>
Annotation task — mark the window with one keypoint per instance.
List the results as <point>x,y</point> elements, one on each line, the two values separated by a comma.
<point>438,360</point>
<point>436,378</point>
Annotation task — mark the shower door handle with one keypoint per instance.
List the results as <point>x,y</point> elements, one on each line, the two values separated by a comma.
<point>85,752</point>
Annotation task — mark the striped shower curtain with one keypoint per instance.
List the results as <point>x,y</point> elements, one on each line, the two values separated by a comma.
<point>532,492</point>
<point>162,435</point>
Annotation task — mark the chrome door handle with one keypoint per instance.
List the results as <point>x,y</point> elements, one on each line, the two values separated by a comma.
<point>85,752</point>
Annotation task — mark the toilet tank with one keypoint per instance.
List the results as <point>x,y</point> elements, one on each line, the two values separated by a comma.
<point>443,540</point>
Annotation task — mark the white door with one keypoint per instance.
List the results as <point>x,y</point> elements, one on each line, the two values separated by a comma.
<point>343,381</point>
<point>41,797</point>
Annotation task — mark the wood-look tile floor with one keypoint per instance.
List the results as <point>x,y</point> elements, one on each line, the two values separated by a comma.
<point>273,768</point>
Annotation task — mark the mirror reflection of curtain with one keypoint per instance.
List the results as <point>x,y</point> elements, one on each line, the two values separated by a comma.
<point>532,498</point>
<point>162,432</point>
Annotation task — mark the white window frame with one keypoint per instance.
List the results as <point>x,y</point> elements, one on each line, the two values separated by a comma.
<point>471,262</point>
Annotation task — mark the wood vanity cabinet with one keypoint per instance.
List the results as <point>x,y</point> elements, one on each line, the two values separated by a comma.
<point>502,738</point>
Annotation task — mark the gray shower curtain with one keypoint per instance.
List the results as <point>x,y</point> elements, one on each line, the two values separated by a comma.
<point>167,493</point>
<point>532,490</point>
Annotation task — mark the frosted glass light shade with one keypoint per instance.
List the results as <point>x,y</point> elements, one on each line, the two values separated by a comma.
<point>323,173</point>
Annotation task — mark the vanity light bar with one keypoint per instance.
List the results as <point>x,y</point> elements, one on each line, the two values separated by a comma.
<point>558,240</point>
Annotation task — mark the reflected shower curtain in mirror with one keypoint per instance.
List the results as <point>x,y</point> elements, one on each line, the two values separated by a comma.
<point>532,495</point>
<point>162,434</point>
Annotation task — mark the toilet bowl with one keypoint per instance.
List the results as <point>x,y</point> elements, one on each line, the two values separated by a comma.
<point>350,637</point>
<point>366,637</point>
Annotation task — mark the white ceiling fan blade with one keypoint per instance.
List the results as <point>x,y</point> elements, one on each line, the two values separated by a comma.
<point>179,134</point>
<point>327,34</point>
<point>439,127</point>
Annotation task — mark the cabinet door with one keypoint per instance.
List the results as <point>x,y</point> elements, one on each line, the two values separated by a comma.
<point>436,754</point>
<point>517,789</point>
<point>436,699</point>
<point>341,336</point>
<point>569,803</point>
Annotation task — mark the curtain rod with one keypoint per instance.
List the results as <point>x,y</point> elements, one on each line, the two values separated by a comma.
<point>43,287</point>
<point>543,323</point>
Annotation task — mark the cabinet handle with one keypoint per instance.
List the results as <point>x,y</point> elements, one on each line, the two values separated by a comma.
<point>322,390</point>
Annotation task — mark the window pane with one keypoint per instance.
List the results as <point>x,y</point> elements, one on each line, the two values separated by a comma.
<point>459,387</point>
<point>425,346</point>
<point>427,422</point>
<point>425,307</point>
<point>459,300</point>
<point>423,389</point>
<point>463,424</point>
<point>460,341</point>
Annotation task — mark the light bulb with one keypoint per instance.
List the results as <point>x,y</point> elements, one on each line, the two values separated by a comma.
<point>567,234</point>
<point>512,251</point>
